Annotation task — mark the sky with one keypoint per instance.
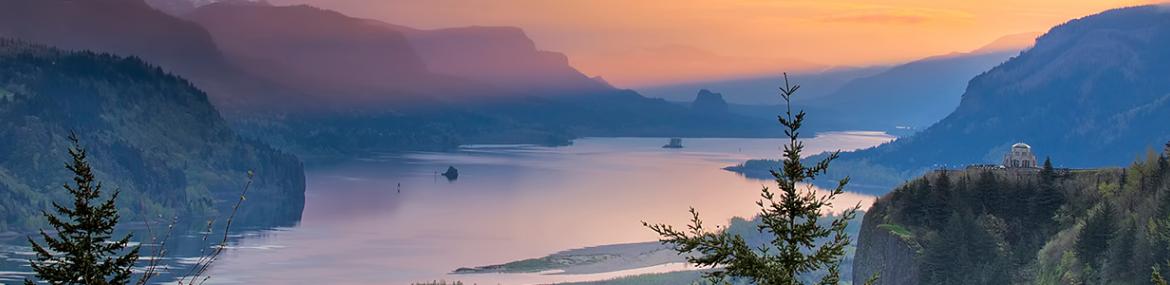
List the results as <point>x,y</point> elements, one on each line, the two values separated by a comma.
<point>639,43</point>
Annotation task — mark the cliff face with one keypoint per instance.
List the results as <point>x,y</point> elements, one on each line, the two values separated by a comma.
<point>882,251</point>
<point>331,56</point>
<point>504,57</point>
<point>709,102</point>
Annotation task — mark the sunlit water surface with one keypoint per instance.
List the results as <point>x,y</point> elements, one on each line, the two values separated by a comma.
<point>509,203</point>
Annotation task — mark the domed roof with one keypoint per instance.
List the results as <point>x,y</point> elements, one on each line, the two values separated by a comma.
<point>1021,145</point>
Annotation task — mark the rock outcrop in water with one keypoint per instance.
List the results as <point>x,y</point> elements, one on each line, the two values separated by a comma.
<point>452,174</point>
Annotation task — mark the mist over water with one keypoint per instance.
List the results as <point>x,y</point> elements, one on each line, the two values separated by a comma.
<point>510,202</point>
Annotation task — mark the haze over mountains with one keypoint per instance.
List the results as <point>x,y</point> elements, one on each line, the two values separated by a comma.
<point>340,86</point>
<point>904,97</point>
<point>913,95</point>
<point>1091,93</point>
<point>309,80</point>
<point>218,48</point>
<point>132,28</point>
<point>419,89</point>
<point>322,53</point>
<point>340,57</point>
<point>501,56</point>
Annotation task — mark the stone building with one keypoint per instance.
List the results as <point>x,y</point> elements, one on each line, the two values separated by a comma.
<point>1020,156</point>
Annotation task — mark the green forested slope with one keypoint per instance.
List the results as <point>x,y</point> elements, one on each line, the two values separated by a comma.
<point>1106,226</point>
<point>151,134</point>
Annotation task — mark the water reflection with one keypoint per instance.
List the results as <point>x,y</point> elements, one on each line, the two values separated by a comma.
<point>391,218</point>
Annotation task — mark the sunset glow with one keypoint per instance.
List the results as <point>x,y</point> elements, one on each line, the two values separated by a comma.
<point>584,142</point>
<point>639,43</point>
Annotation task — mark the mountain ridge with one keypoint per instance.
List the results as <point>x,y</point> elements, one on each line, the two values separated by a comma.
<point>186,164</point>
<point>179,46</point>
<point>1091,93</point>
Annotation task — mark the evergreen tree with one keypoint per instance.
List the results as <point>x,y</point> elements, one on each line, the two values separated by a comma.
<point>964,251</point>
<point>1164,161</point>
<point>800,244</point>
<point>946,252</point>
<point>937,205</point>
<point>914,212</point>
<point>1094,238</point>
<point>83,251</point>
<point>1047,199</point>
<point>991,197</point>
<point>987,256</point>
<point>1119,264</point>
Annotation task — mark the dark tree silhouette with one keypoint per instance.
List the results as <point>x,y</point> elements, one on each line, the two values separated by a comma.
<point>800,245</point>
<point>83,250</point>
<point>1094,238</point>
<point>1048,199</point>
<point>938,199</point>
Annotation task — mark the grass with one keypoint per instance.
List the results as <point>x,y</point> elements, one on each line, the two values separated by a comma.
<point>898,230</point>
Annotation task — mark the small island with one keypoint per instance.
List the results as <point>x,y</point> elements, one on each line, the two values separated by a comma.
<point>452,174</point>
<point>674,143</point>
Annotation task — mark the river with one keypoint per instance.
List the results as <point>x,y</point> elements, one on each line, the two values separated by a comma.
<point>509,202</point>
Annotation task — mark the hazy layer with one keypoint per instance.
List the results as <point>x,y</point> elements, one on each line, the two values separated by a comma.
<point>688,40</point>
<point>510,202</point>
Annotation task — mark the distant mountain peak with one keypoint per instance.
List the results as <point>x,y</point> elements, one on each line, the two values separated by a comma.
<point>602,80</point>
<point>319,51</point>
<point>709,102</point>
<point>1012,42</point>
<point>498,55</point>
<point>183,7</point>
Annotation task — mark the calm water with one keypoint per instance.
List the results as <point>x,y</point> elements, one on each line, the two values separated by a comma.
<point>509,203</point>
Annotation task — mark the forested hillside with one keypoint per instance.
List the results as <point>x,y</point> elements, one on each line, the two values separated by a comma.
<point>912,95</point>
<point>149,133</point>
<point>1021,226</point>
<point>1093,91</point>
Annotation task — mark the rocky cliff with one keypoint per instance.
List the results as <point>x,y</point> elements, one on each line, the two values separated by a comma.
<point>886,250</point>
<point>709,102</point>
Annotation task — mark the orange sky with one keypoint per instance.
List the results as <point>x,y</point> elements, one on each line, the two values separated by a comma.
<point>636,43</point>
